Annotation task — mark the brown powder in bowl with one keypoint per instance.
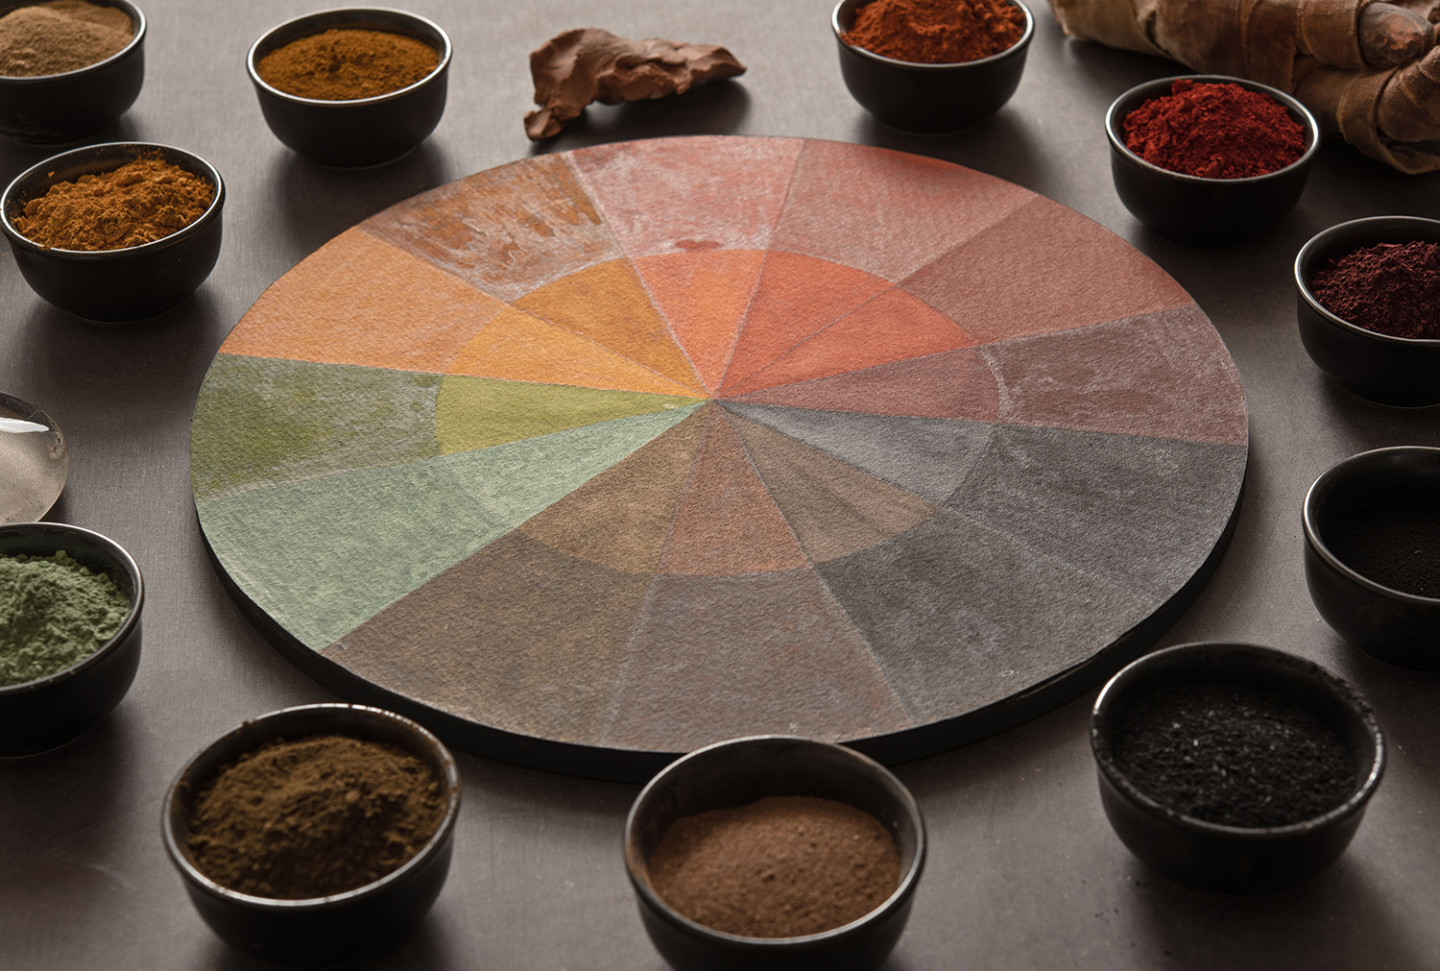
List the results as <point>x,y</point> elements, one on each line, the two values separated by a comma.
<point>138,202</point>
<point>314,816</point>
<point>344,64</point>
<point>60,36</point>
<point>784,866</point>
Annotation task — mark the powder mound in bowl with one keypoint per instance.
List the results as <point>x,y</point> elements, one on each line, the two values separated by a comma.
<point>60,36</point>
<point>1235,754</point>
<point>141,201</point>
<point>1390,288</point>
<point>784,866</point>
<point>936,31</point>
<point>1214,130</point>
<point>54,612</point>
<point>344,64</point>
<point>311,817</point>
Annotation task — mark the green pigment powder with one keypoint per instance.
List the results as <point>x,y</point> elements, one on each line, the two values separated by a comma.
<point>53,613</point>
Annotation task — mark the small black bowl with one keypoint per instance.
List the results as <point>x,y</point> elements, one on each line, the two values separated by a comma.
<point>52,108</point>
<point>1390,370</point>
<point>929,97</point>
<point>739,772</point>
<point>1192,209</point>
<point>1234,859</point>
<point>40,715</point>
<point>117,284</point>
<point>321,930</point>
<point>363,131</point>
<point>1367,521</point>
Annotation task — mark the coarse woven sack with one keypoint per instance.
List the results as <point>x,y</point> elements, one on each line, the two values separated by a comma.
<point>1369,70</point>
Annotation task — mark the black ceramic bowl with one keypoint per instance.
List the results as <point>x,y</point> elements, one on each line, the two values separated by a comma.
<point>40,715</point>
<point>1234,859</point>
<point>741,771</point>
<point>1192,209</point>
<point>1371,523</point>
<point>322,930</point>
<point>67,107</point>
<point>118,284</point>
<point>1391,370</point>
<point>929,97</point>
<point>365,131</point>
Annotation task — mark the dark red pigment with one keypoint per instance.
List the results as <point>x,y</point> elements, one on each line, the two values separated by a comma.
<point>1214,130</point>
<point>1390,288</point>
<point>1233,753</point>
<point>1395,543</point>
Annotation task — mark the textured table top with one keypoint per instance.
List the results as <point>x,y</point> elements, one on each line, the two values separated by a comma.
<point>1024,872</point>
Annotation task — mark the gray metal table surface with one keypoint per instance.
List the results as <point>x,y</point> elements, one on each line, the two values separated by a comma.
<point>1023,872</point>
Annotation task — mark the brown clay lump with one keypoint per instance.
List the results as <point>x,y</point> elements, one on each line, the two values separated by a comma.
<point>589,64</point>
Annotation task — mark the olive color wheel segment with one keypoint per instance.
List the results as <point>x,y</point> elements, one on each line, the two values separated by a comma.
<point>601,456</point>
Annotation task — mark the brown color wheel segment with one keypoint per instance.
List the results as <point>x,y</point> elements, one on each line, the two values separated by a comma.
<point>727,522</point>
<point>772,652</point>
<point>843,542</point>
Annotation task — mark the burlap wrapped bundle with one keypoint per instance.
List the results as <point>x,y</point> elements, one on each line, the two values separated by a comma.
<point>1369,70</point>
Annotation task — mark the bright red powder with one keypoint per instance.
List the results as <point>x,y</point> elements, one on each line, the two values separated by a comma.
<point>1216,130</point>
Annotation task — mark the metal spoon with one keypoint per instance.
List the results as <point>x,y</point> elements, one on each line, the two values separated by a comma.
<point>34,461</point>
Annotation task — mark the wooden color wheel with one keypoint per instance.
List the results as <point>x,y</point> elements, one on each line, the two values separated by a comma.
<point>597,457</point>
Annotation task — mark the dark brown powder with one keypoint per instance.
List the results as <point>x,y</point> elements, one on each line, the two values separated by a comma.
<point>138,202</point>
<point>60,36</point>
<point>784,866</point>
<point>345,64</point>
<point>313,817</point>
<point>1390,288</point>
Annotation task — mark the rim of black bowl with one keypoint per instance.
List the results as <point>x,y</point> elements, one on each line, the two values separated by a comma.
<point>1140,93</point>
<point>137,598</point>
<point>1347,693</point>
<point>58,163</point>
<point>1312,534</point>
<point>450,779</point>
<point>339,12</point>
<point>1010,51</point>
<point>1327,236</point>
<point>136,14</point>
<point>908,879</point>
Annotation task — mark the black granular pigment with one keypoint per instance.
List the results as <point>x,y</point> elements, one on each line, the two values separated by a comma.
<point>1395,544</point>
<point>1234,754</point>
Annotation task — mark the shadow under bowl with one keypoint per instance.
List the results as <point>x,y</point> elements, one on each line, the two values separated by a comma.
<point>1399,371</point>
<point>115,284</point>
<point>321,930</point>
<point>362,131</point>
<point>1194,209</point>
<point>1372,553</point>
<point>739,772</point>
<point>929,98</point>
<point>1234,859</point>
<point>66,107</point>
<point>43,714</point>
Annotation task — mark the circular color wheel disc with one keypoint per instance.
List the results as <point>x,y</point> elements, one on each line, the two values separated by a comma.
<point>601,456</point>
